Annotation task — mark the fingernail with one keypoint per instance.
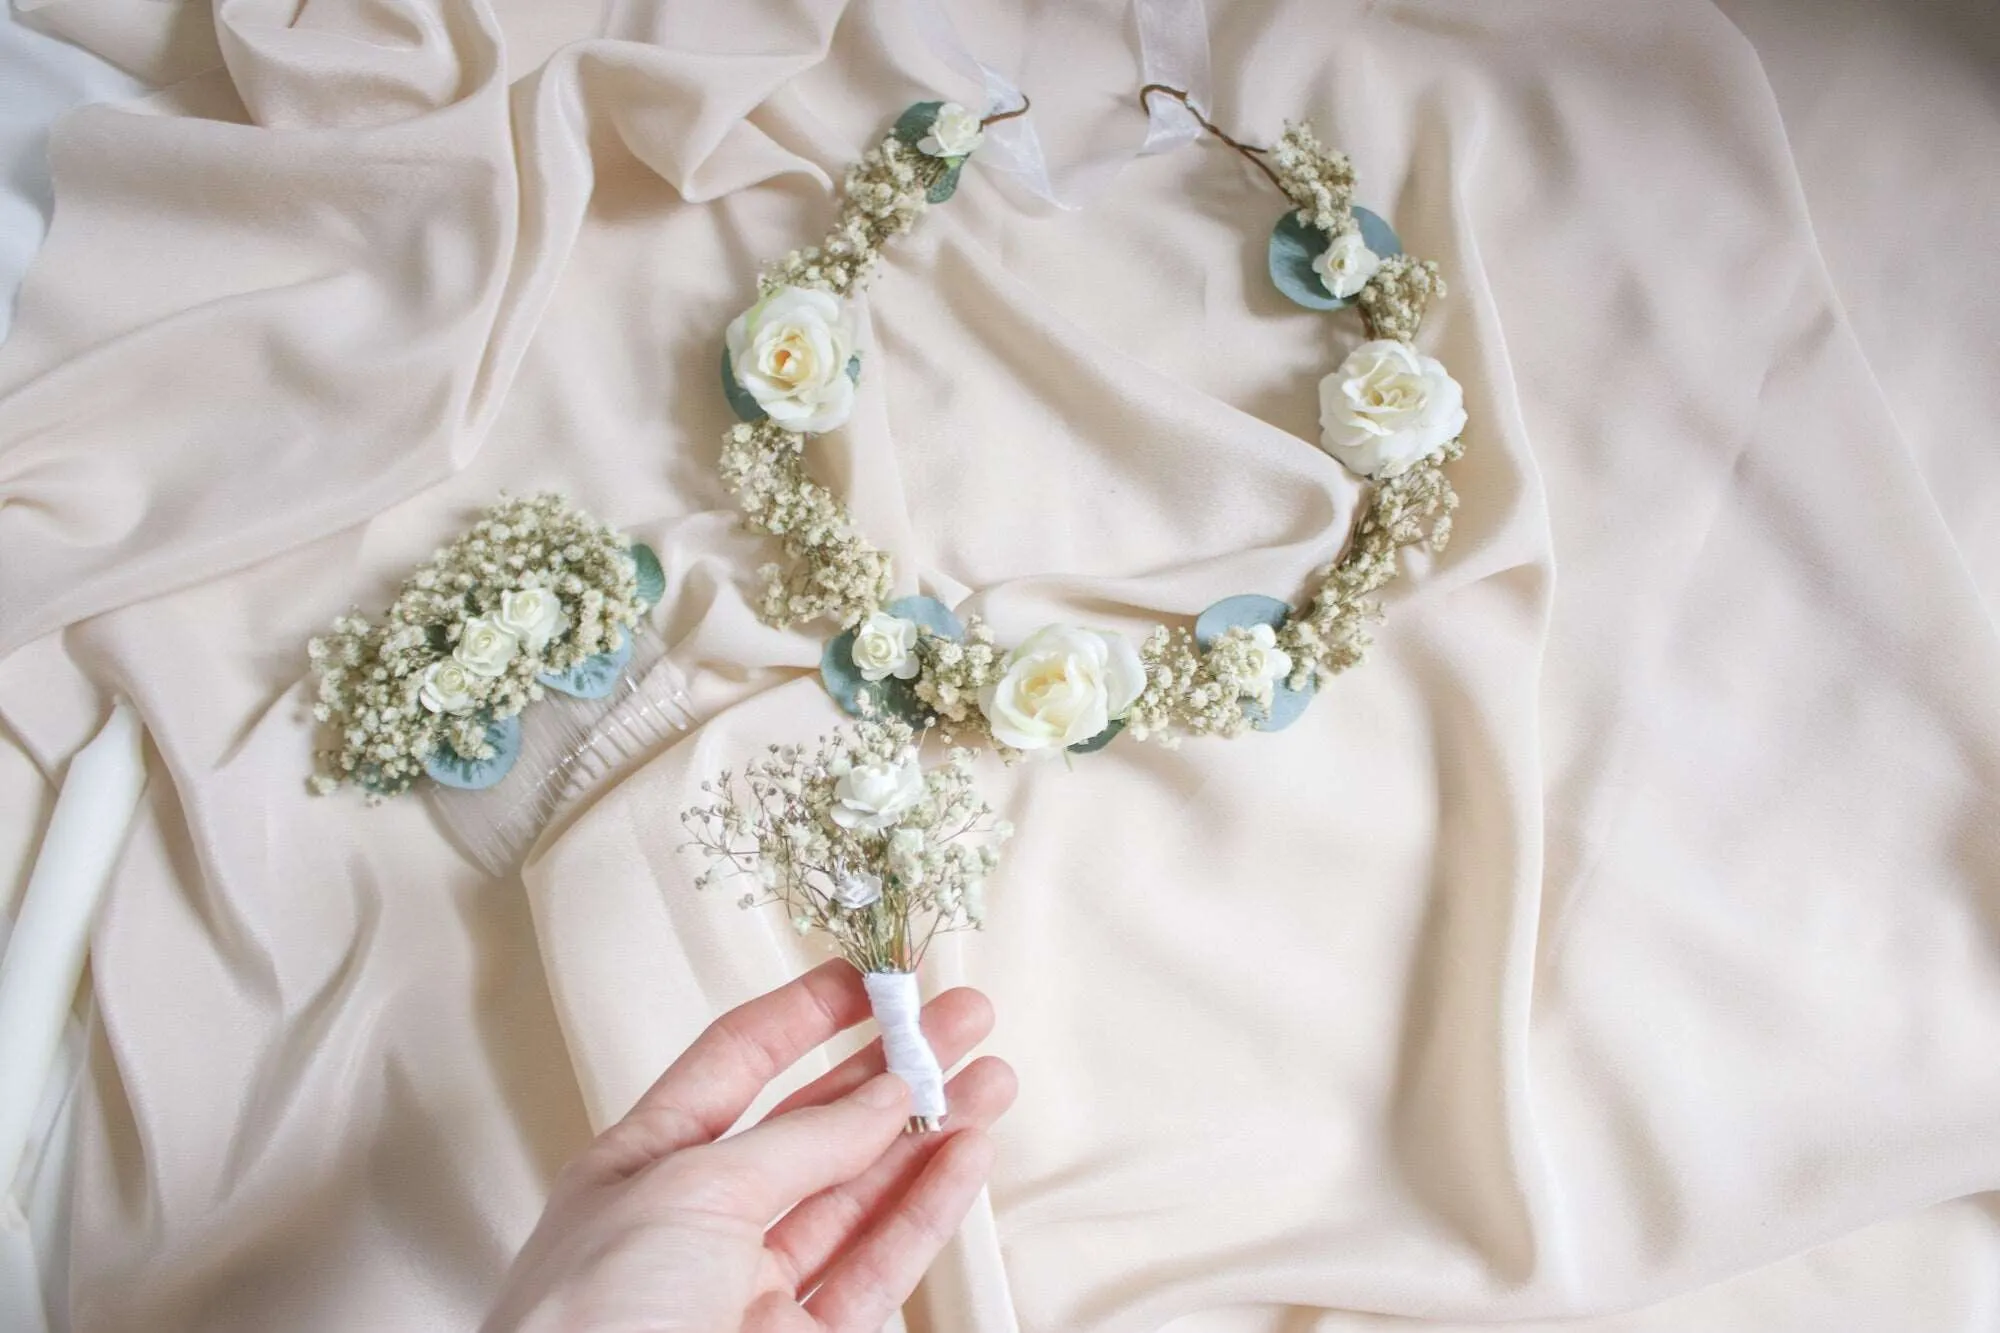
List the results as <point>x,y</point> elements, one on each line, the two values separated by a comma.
<point>883,1091</point>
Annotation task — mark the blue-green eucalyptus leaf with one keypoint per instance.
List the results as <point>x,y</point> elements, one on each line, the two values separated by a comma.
<point>740,401</point>
<point>932,614</point>
<point>447,767</point>
<point>945,186</point>
<point>844,681</point>
<point>1100,740</point>
<point>1295,245</point>
<point>1287,706</point>
<point>916,122</point>
<point>1245,610</point>
<point>652,579</point>
<point>594,677</point>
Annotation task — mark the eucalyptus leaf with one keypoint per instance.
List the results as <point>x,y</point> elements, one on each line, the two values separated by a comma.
<point>916,122</point>
<point>1287,706</point>
<point>1100,740</point>
<point>594,677</point>
<point>1246,611</point>
<point>932,614</point>
<point>911,127</point>
<point>652,579</point>
<point>448,768</point>
<point>849,687</point>
<point>945,186</point>
<point>854,368</point>
<point>739,397</point>
<point>1295,245</point>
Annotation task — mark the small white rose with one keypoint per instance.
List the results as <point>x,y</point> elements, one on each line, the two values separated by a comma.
<point>790,353</point>
<point>532,615</point>
<point>1387,407</point>
<point>448,688</point>
<point>1268,663</point>
<point>886,645</point>
<point>954,133</point>
<point>484,648</point>
<point>856,889</point>
<point>1346,265</point>
<point>872,797</point>
<point>1061,687</point>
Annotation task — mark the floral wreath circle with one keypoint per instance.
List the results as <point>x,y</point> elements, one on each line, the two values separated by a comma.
<point>791,367</point>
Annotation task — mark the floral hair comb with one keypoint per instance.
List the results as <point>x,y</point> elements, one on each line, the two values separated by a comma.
<point>537,601</point>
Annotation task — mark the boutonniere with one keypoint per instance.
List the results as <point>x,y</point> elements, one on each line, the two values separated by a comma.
<point>862,845</point>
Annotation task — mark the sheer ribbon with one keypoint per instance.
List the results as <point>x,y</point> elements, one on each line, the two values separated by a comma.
<point>1173,49</point>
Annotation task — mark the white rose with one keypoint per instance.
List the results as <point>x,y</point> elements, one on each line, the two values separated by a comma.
<point>790,352</point>
<point>484,648</point>
<point>1268,663</point>
<point>447,688</point>
<point>856,889</point>
<point>1061,687</point>
<point>532,615</point>
<point>1388,406</point>
<point>886,645</point>
<point>954,133</point>
<point>1346,265</point>
<point>871,797</point>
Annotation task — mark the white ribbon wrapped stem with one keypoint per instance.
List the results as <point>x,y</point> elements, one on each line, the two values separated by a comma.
<point>897,1005</point>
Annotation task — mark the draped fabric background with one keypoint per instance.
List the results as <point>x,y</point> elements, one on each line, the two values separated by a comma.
<point>1618,950</point>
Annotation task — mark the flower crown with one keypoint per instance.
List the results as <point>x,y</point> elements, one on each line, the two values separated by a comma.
<point>537,596</point>
<point>792,364</point>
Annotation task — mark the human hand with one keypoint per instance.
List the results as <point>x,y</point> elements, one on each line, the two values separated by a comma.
<point>661,1224</point>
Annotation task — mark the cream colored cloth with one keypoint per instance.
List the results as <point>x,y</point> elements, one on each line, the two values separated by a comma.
<point>1622,937</point>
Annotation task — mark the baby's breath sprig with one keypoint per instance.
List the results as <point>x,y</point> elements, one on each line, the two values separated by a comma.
<point>535,587</point>
<point>855,840</point>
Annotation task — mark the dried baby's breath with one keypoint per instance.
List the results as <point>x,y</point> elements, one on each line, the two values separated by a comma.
<point>771,834</point>
<point>371,674</point>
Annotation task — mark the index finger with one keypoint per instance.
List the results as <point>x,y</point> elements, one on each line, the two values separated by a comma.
<point>714,1081</point>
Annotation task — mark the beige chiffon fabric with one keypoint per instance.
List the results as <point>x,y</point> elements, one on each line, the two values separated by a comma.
<point>1618,949</point>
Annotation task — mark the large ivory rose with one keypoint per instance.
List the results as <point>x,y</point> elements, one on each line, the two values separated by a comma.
<point>886,645</point>
<point>1387,407</point>
<point>532,615</point>
<point>1061,687</point>
<point>484,648</point>
<point>872,797</point>
<point>790,353</point>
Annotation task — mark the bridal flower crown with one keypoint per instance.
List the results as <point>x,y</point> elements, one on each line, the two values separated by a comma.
<point>855,838</point>
<point>792,365</point>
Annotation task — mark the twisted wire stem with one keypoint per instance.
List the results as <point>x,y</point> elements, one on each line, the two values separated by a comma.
<point>1254,156</point>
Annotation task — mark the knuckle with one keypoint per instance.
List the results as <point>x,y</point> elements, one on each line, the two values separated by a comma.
<point>648,1135</point>
<point>703,1180</point>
